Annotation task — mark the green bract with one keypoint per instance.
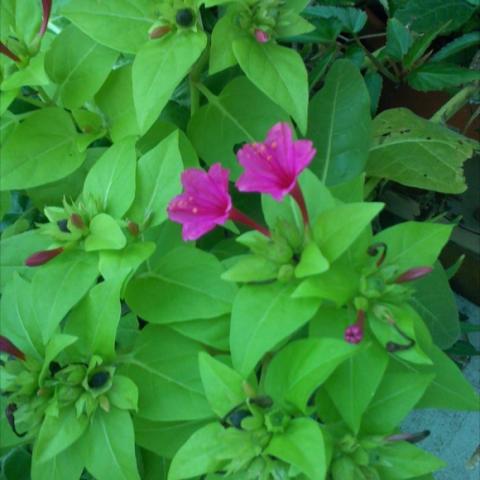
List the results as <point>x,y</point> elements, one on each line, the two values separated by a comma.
<point>295,334</point>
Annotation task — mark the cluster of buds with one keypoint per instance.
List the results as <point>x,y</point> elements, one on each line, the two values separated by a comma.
<point>383,284</point>
<point>174,15</point>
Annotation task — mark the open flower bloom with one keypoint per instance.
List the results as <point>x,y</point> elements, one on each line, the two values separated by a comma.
<point>204,203</point>
<point>273,166</point>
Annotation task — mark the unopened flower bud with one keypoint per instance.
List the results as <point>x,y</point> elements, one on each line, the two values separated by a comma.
<point>42,257</point>
<point>413,274</point>
<point>375,248</point>
<point>160,31</point>
<point>7,346</point>
<point>98,379</point>
<point>133,228</point>
<point>63,225</point>
<point>77,221</point>
<point>261,36</point>
<point>185,17</point>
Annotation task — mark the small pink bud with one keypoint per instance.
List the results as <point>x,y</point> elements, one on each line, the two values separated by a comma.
<point>413,274</point>
<point>354,333</point>
<point>7,346</point>
<point>261,36</point>
<point>44,256</point>
<point>160,31</point>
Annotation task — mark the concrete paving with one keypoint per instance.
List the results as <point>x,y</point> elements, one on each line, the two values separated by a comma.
<point>455,436</point>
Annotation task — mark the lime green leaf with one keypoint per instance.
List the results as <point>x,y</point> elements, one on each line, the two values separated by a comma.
<point>59,285</point>
<point>57,433</point>
<point>78,65</point>
<point>119,24</point>
<point>124,393</point>
<point>115,99</point>
<point>105,234</point>
<point>164,438</point>
<point>312,262</point>
<point>111,181</point>
<point>190,285</point>
<point>414,244</point>
<point>158,181</point>
<point>164,366</point>
<point>158,68</point>
<point>223,386</point>
<point>262,316</point>
<point>334,237</point>
<point>302,366</point>
<point>95,319</point>
<point>20,323</point>
<point>354,383</point>
<point>113,456</point>
<point>274,69</point>
<point>397,394</point>
<point>40,150</point>
<point>402,460</point>
<point>303,446</point>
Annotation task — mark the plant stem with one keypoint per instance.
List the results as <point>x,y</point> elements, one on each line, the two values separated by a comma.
<point>375,61</point>
<point>31,101</point>
<point>240,217</point>
<point>297,195</point>
<point>455,103</point>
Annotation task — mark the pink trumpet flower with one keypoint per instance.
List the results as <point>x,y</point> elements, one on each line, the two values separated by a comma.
<point>273,167</point>
<point>206,203</point>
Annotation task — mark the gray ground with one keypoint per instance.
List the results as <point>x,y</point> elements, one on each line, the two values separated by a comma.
<point>455,435</point>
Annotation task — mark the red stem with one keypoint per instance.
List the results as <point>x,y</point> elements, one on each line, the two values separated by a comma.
<point>47,8</point>
<point>7,346</point>
<point>360,319</point>
<point>240,217</point>
<point>297,195</point>
<point>8,53</point>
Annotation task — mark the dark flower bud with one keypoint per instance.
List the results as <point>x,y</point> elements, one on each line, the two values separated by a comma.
<point>77,220</point>
<point>54,368</point>
<point>44,256</point>
<point>98,379</point>
<point>160,31</point>
<point>185,17</point>
<point>393,347</point>
<point>7,346</point>
<point>63,225</point>
<point>236,417</point>
<point>413,274</point>
<point>409,437</point>
<point>9,413</point>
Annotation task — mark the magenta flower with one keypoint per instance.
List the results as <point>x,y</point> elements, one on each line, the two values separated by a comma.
<point>205,202</point>
<point>261,36</point>
<point>273,166</point>
<point>354,333</point>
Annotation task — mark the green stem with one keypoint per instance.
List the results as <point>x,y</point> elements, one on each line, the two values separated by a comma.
<point>379,66</point>
<point>456,103</point>
<point>44,95</point>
